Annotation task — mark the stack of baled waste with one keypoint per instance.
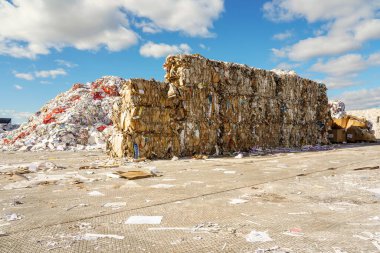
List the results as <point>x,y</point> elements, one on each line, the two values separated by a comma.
<point>246,106</point>
<point>347,127</point>
<point>219,108</point>
<point>145,121</point>
<point>77,119</point>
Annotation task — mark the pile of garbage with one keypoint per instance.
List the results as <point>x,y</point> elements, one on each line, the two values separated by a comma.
<point>337,109</point>
<point>78,119</point>
<point>348,128</point>
<point>8,127</point>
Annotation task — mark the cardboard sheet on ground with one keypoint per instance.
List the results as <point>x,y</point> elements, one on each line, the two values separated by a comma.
<point>134,174</point>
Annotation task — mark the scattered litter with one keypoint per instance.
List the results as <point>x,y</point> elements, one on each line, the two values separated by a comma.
<point>294,232</point>
<point>239,156</point>
<point>237,201</point>
<point>75,206</point>
<point>175,158</point>
<point>112,175</point>
<point>176,242</point>
<point>95,193</point>
<point>169,228</point>
<point>275,249</point>
<point>43,179</point>
<point>209,227</point>
<point>115,205</point>
<point>130,184</point>
<point>91,237</point>
<point>88,167</point>
<point>375,190</point>
<point>140,220</point>
<point>162,186</point>
<point>257,236</point>
<point>368,236</point>
<point>258,151</point>
<point>13,217</point>
<point>197,238</point>
<point>338,250</point>
<point>299,213</point>
<point>132,175</point>
<point>154,171</point>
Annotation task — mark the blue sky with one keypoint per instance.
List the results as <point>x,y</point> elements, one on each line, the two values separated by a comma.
<point>47,45</point>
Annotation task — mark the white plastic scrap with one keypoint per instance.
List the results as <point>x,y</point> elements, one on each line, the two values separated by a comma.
<point>12,217</point>
<point>91,237</point>
<point>151,220</point>
<point>115,205</point>
<point>95,193</point>
<point>237,201</point>
<point>257,236</point>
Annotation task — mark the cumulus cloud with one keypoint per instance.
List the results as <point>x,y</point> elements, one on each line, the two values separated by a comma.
<point>348,26</point>
<point>25,76</point>
<point>194,18</point>
<point>361,99</point>
<point>151,49</point>
<point>66,64</point>
<point>35,27</point>
<point>342,69</point>
<point>50,73</point>
<point>283,36</point>
<point>346,64</point>
<point>204,47</point>
<point>18,87</point>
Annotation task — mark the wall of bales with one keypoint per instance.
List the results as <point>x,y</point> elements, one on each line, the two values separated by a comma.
<point>212,107</point>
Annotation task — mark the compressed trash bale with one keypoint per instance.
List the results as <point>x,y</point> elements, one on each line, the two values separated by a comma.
<point>138,145</point>
<point>147,121</point>
<point>256,99</point>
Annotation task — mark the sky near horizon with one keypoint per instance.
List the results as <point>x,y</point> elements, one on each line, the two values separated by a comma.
<point>48,45</point>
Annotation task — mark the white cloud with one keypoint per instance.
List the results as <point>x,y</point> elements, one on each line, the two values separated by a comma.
<point>18,87</point>
<point>50,73</point>
<point>148,27</point>
<point>17,117</point>
<point>339,82</point>
<point>350,63</point>
<point>194,18</point>
<point>66,64</point>
<point>151,49</point>
<point>34,27</point>
<point>367,30</point>
<point>283,36</point>
<point>361,99</point>
<point>320,46</point>
<point>342,70</point>
<point>348,24</point>
<point>204,47</point>
<point>25,76</point>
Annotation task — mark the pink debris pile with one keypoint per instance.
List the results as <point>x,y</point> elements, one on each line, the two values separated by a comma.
<point>78,119</point>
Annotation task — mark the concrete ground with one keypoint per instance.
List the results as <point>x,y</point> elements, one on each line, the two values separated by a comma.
<point>324,201</point>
